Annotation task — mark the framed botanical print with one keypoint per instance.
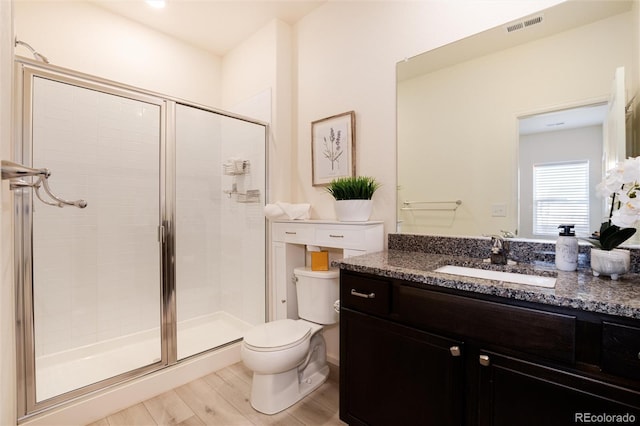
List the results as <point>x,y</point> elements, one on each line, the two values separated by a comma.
<point>333,148</point>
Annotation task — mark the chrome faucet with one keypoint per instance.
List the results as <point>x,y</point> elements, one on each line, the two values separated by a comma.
<point>499,250</point>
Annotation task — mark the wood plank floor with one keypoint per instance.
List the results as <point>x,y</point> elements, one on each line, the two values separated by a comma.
<point>222,398</point>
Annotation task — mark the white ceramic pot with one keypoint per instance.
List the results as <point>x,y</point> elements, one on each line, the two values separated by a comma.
<point>353,210</point>
<point>610,262</point>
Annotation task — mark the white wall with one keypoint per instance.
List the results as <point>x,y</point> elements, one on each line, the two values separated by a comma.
<point>268,51</point>
<point>346,58</point>
<point>86,38</point>
<point>7,295</point>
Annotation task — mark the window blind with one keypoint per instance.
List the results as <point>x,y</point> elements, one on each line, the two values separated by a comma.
<point>561,195</point>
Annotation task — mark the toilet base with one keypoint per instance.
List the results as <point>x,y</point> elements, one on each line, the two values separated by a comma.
<point>272,393</point>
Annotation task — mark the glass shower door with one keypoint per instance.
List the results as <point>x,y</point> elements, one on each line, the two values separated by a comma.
<point>95,271</point>
<point>220,228</point>
<point>167,260</point>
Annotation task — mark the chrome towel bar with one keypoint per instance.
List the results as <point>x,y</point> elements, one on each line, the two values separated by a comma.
<point>15,172</point>
<point>431,205</point>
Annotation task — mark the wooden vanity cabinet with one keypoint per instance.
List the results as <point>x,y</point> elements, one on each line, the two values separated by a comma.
<point>429,357</point>
<point>391,374</point>
<point>398,375</point>
<point>510,389</point>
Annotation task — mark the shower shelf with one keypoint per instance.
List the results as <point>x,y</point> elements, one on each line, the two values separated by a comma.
<point>236,167</point>
<point>251,196</point>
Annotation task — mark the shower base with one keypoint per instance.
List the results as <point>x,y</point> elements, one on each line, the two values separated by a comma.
<point>73,369</point>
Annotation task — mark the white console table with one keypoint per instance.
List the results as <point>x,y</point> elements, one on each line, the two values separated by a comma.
<point>289,240</point>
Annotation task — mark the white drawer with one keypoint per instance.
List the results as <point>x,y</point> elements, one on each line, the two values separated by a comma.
<point>341,237</point>
<point>293,233</point>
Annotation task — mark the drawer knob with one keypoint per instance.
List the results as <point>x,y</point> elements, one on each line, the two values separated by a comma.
<point>356,293</point>
<point>485,361</point>
<point>455,350</point>
<point>336,236</point>
<point>290,232</point>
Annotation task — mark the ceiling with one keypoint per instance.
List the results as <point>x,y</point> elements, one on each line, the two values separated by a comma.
<point>591,115</point>
<point>213,25</point>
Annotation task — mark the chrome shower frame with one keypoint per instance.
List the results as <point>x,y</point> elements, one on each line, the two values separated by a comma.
<point>25,71</point>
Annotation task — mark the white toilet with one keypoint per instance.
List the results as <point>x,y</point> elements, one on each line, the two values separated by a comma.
<point>287,356</point>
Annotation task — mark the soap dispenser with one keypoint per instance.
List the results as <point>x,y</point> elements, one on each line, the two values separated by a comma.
<point>567,249</point>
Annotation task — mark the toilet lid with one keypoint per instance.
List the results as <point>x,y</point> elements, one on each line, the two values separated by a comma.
<point>277,334</point>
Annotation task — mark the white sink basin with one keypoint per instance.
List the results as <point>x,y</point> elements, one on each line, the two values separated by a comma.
<point>511,277</point>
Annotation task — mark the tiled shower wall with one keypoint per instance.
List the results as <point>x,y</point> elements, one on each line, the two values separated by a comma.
<point>96,270</point>
<point>242,255</point>
<point>198,194</point>
<point>220,246</point>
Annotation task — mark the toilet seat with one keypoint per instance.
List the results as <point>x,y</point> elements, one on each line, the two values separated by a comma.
<point>277,335</point>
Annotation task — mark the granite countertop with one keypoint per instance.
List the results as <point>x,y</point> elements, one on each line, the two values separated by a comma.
<point>579,290</point>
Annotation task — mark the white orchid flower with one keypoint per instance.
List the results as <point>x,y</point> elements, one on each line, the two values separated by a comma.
<point>622,182</point>
<point>624,217</point>
<point>611,183</point>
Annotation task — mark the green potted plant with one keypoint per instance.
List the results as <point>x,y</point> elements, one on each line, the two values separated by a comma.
<point>621,182</point>
<point>610,236</point>
<point>353,197</point>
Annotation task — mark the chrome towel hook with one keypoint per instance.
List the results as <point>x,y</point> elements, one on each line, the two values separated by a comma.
<point>15,172</point>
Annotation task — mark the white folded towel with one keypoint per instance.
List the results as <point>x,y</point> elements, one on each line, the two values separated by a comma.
<point>281,210</point>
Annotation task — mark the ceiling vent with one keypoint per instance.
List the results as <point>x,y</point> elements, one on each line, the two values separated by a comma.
<point>524,23</point>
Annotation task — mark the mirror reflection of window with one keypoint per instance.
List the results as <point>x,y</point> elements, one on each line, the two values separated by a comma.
<point>555,142</point>
<point>561,195</point>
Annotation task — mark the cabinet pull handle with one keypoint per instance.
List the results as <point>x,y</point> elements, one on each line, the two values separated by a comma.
<point>336,236</point>
<point>485,361</point>
<point>290,232</point>
<point>455,350</point>
<point>354,292</point>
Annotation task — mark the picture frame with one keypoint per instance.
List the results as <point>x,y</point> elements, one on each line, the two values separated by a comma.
<point>333,148</point>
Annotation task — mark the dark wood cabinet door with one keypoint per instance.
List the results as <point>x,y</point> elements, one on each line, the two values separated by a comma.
<point>513,391</point>
<point>396,375</point>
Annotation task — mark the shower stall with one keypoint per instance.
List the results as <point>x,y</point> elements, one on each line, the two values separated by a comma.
<point>167,259</point>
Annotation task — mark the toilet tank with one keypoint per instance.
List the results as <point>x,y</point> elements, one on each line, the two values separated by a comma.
<point>317,291</point>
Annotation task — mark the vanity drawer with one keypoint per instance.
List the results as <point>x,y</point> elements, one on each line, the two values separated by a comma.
<point>293,233</point>
<point>536,332</point>
<point>340,238</point>
<point>621,350</point>
<point>364,294</point>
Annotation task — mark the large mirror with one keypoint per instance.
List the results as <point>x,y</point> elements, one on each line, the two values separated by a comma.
<point>481,119</point>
